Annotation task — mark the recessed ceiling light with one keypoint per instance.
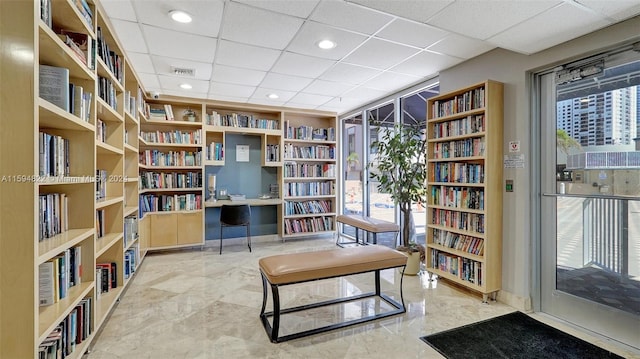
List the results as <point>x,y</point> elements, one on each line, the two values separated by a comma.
<point>186,86</point>
<point>180,16</point>
<point>326,44</point>
<point>273,96</point>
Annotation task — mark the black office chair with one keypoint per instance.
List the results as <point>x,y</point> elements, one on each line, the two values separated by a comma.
<point>238,215</point>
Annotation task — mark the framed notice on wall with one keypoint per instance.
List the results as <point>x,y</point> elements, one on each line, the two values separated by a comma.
<point>242,153</point>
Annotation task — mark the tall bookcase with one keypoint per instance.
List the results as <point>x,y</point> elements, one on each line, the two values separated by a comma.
<point>309,175</point>
<point>171,180</point>
<point>54,139</point>
<point>464,211</point>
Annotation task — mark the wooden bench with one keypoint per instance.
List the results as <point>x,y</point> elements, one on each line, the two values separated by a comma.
<point>366,224</point>
<point>285,269</point>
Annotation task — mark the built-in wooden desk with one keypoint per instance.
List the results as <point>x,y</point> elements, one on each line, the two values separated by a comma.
<point>249,201</point>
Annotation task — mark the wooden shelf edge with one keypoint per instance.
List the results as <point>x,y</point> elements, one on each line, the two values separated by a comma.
<point>51,315</point>
<point>107,241</point>
<point>50,247</point>
<point>456,252</point>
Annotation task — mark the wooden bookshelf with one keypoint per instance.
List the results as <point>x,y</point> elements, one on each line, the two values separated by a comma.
<point>464,212</point>
<point>309,180</point>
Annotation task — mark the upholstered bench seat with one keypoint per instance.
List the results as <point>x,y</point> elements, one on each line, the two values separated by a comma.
<point>285,269</point>
<point>367,224</point>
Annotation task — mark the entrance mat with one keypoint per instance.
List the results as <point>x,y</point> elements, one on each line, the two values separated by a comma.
<point>513,335</point>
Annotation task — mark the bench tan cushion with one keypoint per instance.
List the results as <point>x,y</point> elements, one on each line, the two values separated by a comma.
<point>368,224</point>
<point>305,266</point>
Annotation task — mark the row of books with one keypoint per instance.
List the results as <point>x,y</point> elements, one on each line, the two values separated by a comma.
<point>176,136</point>
<point>164,203</point>
<point>171,158</point>
<point>131,104</point>
<point>106,277</point>
<point>101,184</point>
<point>462,148</point>
<point>54,86</point>
<point>297,189</point>
<point>308,133</point>
<point>309,152</point>
<point>307,207</point>
<point>81,44</point>
<point>308,225</point>
<point>215,151</point>
<point>463,268</point>
<point>109,57</point>
<point>464,126</point>
<point>107,92</point>
<point>83,8</point>
<point>292,169</point>
<point>101,223</point>
<point>53,214</point>
<point>458,197</point>
<point>131,260</point>
<point>58,274</point>
<point>159,180</point>
<point>160,112</point>
<point>130,229</point>
<point>240,120</point>
<point>53,152</point>
<point>101,130</point>
<point>467,101</point>
<point>272,153</point>
<point>469,244</point>
<point>73,330</point>
<point>457,172</point>
<point>471,222</point>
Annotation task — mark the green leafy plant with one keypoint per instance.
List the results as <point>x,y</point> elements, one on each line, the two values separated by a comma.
<point>353,160</point>
<point>566,142</point>
<point>400,169</point>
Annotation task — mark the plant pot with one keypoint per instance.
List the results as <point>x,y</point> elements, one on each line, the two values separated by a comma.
<point>413,263</point>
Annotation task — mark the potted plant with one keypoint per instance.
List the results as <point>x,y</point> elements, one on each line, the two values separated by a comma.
<point>189,115</point>
<point>353,160</point>
<point>400,169</point>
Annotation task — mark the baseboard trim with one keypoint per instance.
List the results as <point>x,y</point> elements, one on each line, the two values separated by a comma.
<point>518,302</point>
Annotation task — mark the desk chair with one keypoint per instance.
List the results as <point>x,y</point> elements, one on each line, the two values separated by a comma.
<point>238,215</point>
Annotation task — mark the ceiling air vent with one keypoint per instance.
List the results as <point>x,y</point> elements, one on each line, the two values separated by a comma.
<point>181,71</point>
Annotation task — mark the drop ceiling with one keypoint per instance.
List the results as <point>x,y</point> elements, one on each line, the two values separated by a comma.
<point>244,50</point>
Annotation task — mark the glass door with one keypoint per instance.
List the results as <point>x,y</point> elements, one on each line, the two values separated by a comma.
<point>590,203</point>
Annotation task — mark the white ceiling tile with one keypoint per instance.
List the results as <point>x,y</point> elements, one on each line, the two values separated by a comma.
<point>164,65</point>
<point>228,98</point>
<point>328,88</point>
<point>337,110</point>
<point>141,62</point>
<point>310,99</point>
<point>305,42</point>
<point>266,101</point>
<point>262,93</point>
<point>130,35</point>
<point>301,65</point>
<point>186,93</point>
<point>172,83</point>
<point>550,28</point>
<point>425,64</point>
<point>350,16</point>
<point>258,27</point>
<point>411,33</point>
<point>364,93</point>
<point>119,9</point>
<point>179,44</point>
<point>390,81</point>
<point>300,105</point>
<point>461,46</point>
<point>207,15</point>
<point>285,82</point>
<point>345,103</point>
<point>418,10</point>
<point>236,75</point>
<point>483,19</point>
<point>232,90</point>
<point>380,54</point>
<point>240,55</point>
<point>290,7</point>
<point>619,9</point>
<point>351,74</point>
<point>149,81</point>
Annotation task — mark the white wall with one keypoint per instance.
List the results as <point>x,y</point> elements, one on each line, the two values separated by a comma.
<point>514,70</point>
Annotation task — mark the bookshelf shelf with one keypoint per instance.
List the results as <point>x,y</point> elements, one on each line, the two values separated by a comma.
<point>466,213</point>
<point>108,113</point>
<point>69,15</point>
<point>328,214</point>
<point>107,241</point>
<point>107,149</point>
<point>54,52</point>
<point>51,315</point>
<point>108,201</point>
<point>105,303</point>
<point>50,247</point>
<point>104,71</point>
<point>52,116</point>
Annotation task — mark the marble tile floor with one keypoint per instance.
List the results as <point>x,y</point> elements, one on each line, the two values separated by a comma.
<point>199,304</point>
